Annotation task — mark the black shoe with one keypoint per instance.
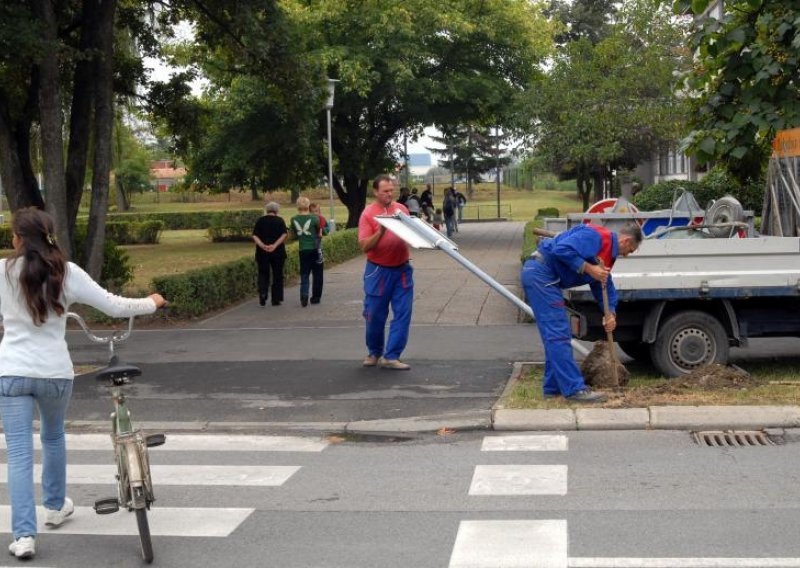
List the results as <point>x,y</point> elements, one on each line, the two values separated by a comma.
<point>262,301</point>
<point>304,301</point>
<point>315,300</point>
<point>585,396</point>
<point>274,303</point>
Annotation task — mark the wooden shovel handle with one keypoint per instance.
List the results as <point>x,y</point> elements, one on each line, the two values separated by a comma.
<point>612,354</point>
<point>542,232</point>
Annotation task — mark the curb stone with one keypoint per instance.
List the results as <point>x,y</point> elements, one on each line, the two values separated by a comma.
<point>652,417</point>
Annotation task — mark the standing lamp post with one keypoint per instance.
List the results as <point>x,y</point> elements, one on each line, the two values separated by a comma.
<point>328,107</point>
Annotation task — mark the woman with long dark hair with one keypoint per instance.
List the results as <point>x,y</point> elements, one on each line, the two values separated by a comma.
<point>37,287</point>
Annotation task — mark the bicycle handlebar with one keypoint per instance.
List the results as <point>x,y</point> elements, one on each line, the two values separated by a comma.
<point>115,337</point>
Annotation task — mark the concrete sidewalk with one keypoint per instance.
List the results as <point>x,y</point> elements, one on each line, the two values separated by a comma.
<point>291,368</point>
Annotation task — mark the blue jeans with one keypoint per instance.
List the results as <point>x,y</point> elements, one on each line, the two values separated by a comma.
<point>17,395</point>
<point>384,287</point>
<point>543,293</point>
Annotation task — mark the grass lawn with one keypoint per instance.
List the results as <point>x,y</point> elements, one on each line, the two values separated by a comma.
<point>770,383</point>
<point>178,252</point>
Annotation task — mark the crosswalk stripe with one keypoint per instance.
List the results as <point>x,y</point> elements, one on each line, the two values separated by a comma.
<point>205,475</point>
<point>525,443</point>
<point>510,544</point>
<point>519,480</point>
<point>684,562</point>
<point>164,521</point>
<point>201,442</point>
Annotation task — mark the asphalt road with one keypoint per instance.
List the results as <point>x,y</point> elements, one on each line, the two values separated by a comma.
<point>409,503</point>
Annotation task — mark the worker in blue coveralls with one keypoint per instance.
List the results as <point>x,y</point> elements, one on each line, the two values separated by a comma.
<point>581,255</point>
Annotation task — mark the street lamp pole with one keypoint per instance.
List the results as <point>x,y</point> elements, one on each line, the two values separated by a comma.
<point>328,107</point>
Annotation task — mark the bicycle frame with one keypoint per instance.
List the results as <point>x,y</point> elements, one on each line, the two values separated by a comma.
<point>134,483</point>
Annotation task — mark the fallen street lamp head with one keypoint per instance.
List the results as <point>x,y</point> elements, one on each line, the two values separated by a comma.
<point>415,232</point>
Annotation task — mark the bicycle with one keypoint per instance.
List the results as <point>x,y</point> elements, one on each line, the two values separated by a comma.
<point>134,483</point>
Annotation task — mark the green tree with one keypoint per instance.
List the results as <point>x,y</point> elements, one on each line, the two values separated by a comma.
<point>131,165</point>
<point>405,64</point>
<point>744,80</point>
<point>610,104</point>
<point>471,151</point>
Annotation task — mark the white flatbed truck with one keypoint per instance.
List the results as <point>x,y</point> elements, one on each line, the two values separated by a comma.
<point>684,302</point>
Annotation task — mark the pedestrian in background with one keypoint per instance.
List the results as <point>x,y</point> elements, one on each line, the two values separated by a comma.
<point>306,227</point>
<point>461,201</point>
<point>449,210</point>
<point>388,281</point>
<point>581,255</point>
<point>37,287</point>
<point>412,204</point>
<point>270,234</point>
<point>438,219</point>
<point>324,229</point>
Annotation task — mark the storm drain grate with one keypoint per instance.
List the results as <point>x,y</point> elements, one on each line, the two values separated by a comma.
<point>732,438</point>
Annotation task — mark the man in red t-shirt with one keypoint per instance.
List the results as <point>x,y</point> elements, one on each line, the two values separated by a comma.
<point>388,280</point>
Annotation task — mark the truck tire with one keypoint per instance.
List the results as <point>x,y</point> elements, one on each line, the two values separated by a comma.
<point>688,340</point>
<point>636,350</point>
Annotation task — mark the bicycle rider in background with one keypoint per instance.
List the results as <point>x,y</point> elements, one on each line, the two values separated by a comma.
<point>37,287</point>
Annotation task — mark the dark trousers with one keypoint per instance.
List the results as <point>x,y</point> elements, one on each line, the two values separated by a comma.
<point>310,269</point>
<point>271,265</point>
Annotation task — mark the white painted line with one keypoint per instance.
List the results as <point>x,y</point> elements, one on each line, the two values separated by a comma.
<point>200,443</point>
<point>525,443</point>
<point>510,544</point>
<point>239,475</point>
<point>519,480</point>
<point>684,562</point>
<point>164,521</point>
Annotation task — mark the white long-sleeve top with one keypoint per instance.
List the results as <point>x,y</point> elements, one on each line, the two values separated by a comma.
<point>28,350</point>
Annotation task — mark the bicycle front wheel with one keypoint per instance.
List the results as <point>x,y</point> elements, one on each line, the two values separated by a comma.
<point>144,530</point>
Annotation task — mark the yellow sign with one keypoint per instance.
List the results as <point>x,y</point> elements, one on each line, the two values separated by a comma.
<point>787,143</point>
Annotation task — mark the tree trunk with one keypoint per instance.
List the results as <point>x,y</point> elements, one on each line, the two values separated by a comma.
<point>52,121</point>
<point>121,198</point>
<point>16,171</point>
<point>80,118</point>
<point>355,190</point>
<point>584,188</point>
<point>599,176</point>
<point>103,130</point>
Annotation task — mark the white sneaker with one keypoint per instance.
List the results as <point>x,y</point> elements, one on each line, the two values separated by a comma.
<point>55,519</point>
<point>24,547</point>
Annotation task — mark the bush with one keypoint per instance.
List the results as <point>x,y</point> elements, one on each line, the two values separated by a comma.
<point>546,212</point>
<point>116,271</point>
<point>713,186</point>
<point>135,233</point>
<point>180,221</point>
<point>232,226</point>
<point>529,240</point>
<point>199,291</point>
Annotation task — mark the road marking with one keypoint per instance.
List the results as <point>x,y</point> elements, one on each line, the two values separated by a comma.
<point>525,443</point>
<point>239,475</point>
<point>684,562</point>
<point>164,521</point>
<point>519,480</point>
<point>510,544</point>
<point>200,443</point>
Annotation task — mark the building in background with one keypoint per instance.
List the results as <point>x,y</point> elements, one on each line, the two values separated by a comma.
<point>166,174</point>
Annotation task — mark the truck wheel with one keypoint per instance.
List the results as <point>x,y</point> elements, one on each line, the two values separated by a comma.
<point>636,350</point>
<point>688,340</point>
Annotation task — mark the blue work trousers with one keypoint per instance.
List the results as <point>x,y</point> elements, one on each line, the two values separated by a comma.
<point>385,287</point>
<point>17,398</point>
<point>543,293</point>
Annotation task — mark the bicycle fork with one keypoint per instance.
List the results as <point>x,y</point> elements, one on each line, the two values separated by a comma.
<point>135,488</point>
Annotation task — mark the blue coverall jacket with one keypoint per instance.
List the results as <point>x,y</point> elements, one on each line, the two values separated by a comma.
<point>557,265</point>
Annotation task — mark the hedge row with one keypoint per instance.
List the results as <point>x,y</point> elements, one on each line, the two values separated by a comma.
<point>191,219</point>
<point>121,233</point>
<point>713,186</point>
<point>200,291</point>
<point>529,240</point>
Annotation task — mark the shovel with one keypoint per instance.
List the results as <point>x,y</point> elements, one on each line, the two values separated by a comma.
<point>612,354</point>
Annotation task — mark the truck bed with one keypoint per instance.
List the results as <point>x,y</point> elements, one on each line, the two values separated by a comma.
<point>706,268</point>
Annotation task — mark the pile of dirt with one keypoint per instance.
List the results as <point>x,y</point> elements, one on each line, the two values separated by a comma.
<point>708,378</point>
<point>598,371</point>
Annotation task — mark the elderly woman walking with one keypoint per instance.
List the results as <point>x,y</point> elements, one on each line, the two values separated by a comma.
<point>269,234</point>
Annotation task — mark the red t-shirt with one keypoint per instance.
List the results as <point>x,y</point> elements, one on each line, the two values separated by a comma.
<point>391,250</point>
